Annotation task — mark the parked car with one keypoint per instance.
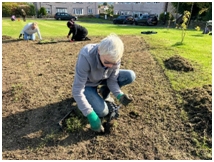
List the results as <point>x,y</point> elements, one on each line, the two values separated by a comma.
<point>124,19</point>
<point>64,16</point>
<point>147,19</point>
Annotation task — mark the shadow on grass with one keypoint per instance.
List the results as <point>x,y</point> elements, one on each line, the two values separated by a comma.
<point>198,35</point>
<point>177,44</point>
<point>38,127</point>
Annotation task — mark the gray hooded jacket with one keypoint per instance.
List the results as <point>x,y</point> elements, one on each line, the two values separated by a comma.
<point>89,71</point>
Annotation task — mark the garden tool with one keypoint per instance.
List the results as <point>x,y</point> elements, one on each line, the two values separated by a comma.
<point>20,35</point>
<point>61,122</point>
<point>113,113</point>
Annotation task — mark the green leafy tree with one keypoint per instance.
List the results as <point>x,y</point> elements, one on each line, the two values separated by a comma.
<point>42,11</point>
<point>32,11</point>
<point>9,8</point>
<point>195,8</point>
<point>105,4</point>
<point>184,25</point>
<point>110,10</point>
<point>14,8</point>
<point>168,16</point>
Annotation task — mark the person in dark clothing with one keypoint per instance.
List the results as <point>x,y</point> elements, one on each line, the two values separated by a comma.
<point>79,32</point>
<point>23,14</point>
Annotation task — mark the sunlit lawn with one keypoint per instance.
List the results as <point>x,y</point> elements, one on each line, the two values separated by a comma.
<point>196,48</point>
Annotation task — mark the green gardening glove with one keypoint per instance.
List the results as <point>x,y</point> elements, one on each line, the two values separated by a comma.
<point>124,99</point>
<point>95,122</point>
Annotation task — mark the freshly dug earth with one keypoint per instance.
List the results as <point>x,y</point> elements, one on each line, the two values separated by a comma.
<point>36,93</point>
<point>178,63</point>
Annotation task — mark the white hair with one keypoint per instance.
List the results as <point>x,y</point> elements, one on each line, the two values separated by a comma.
<point>113,46</point>
<point>34,24</point>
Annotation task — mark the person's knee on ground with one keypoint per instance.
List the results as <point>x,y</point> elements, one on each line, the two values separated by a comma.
<point>126,77</point>
<point>132,76</point>
<point>104,112</point>
<point>33,37</point>
<point>25,37</point>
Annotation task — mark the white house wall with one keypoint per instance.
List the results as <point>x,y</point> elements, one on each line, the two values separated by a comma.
<point>69,7</point>
<point>132,8</point>
<point>126,8</point>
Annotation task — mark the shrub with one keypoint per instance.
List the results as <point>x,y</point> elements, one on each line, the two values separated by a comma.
<point>169,16</point>
<point>42,11</point>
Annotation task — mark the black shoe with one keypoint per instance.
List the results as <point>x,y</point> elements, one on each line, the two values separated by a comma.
<point>86,38</point>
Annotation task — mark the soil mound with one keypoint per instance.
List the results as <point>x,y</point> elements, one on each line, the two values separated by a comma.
<point>5,37</point>
<point>178,63</point>
<point>198,105</point>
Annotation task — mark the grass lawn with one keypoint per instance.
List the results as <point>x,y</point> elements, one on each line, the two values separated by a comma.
<point>196,48</point>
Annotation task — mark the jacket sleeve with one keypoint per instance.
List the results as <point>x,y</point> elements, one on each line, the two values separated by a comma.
<point>25,28</point>
<point>75,28</point>
<point>112,82</point>
<point>78,87</point>
<point>70,31</point>
<point>39,34</point>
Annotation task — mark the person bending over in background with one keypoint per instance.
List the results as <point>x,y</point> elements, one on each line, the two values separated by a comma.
<point>29,31</point>
<point>23,14</point>
<point>13,18</point>
<point>99,64</point>
<point>79,32</point>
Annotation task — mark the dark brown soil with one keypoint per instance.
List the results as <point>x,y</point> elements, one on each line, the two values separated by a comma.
<point>36,94</point>
<point>198,105</point>
<point>178,63</point>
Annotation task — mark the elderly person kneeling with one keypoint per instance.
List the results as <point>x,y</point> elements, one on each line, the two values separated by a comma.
<point>29,31</point>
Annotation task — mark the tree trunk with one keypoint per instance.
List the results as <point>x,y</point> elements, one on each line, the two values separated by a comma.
<point>190,14</point>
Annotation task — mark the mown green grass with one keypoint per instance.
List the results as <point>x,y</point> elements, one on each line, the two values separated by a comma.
<point>196,48</point>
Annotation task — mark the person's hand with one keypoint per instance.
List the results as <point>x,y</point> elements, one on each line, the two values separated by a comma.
<point>125,99</point>
<point>95,122</point>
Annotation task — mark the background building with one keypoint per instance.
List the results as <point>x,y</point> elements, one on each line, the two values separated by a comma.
<point>140,8</point>
<point>120,8</point>
<point>74,8</point>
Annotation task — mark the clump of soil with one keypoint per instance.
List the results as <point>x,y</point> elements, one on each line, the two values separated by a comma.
<point>5,37</point>
<point>198,105</point>
<point>178,63</point>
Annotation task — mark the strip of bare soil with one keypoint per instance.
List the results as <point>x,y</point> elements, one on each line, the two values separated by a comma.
<point>36,94</point>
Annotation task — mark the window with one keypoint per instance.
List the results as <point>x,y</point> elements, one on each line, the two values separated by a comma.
<point>61,10</point>
<point>48,10</point>
<point>78,11</point>
<point>90,11</point>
